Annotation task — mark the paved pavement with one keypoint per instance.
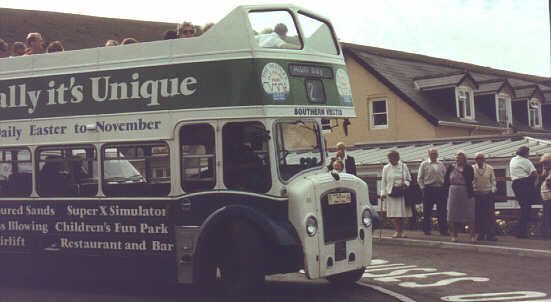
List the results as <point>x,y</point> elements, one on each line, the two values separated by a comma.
<point>504,245</point>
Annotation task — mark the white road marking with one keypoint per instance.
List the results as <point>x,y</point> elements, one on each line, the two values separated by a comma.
<point>396,295</point>
<point>505,296</point>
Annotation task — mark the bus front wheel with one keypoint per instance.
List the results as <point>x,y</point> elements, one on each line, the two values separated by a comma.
<point>242,266</point>
<point>346,278</point>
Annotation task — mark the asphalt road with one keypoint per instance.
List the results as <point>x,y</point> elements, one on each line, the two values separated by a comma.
<point>290,287</point>
<point>433,274</point>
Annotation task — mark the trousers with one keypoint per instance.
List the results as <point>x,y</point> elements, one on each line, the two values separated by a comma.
<point>431,196</point>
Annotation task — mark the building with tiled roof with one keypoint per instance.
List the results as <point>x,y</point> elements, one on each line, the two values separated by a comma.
<point>402,96</point>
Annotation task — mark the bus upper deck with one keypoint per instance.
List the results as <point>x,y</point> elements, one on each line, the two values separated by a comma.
<point>231,70</point>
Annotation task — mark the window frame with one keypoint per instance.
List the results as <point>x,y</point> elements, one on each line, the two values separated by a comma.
<point>213,155</point>
<point>78,186</point>
<point>529,103</point>
<point>14,163</point>
<point>227,160</point>
<point>458,91</point>
<point>372,114</point>
<point>148,177</point>
<point>508,108</point>
<point>295,23</point>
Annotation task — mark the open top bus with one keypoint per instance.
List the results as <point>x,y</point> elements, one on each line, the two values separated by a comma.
<point>192,159</point>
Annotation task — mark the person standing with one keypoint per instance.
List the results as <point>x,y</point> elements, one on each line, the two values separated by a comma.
<point>431,180</point>
<point>461,204</point>
<point>349,162</point>
<point>35,44</point>
<point>395,175</point>
<point>484,187</point>
<point>545,190</point>
<point>523,174</point>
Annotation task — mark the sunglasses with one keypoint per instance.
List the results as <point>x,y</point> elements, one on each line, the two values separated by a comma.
<point>188,31</point>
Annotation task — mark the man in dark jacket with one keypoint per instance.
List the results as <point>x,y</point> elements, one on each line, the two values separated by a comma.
<point>349,162</point>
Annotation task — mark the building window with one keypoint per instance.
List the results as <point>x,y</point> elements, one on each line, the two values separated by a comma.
<point>534,113</point>
<point>503,109</point>
<point>465,103</point>
<point>379,113</point>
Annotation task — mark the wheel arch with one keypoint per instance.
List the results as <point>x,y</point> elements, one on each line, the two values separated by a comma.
<point>273,234</point>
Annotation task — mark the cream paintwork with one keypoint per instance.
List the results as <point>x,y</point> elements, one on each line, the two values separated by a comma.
<point>304,200</point>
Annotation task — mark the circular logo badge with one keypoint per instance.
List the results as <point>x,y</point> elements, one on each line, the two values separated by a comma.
<point>275,82</point>
<point>343,86</point>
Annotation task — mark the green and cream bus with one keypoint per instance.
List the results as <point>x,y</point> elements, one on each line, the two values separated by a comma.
<point>190,159</point>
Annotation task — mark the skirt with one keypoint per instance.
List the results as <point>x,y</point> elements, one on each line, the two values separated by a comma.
<point>461,207</point>
<point>396,207</point>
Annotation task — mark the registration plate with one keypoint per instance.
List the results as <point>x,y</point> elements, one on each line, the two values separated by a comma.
<point>339,198</point>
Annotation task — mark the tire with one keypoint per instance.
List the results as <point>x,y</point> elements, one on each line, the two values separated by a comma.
<point>243,261</point>
<point>346,278</point>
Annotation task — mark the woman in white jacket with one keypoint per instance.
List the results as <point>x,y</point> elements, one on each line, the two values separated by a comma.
<point>395,174</point>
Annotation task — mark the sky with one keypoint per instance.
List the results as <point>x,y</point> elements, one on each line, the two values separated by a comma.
<point>510,35</point>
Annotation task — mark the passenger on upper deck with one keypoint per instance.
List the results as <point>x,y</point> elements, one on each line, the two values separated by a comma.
<point>112,43</point>
<point>198,30</point>
<point>170,34</point>
<point>35,44</point>
<point>127,41</point>
<point>3,49</point>
<point>276,39</point>
<point>18,49</point>
<point>186,30</point>
<point>54,46</point>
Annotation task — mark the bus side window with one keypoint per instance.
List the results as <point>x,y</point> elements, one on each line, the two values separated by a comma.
<point>246,162</point>
<point>67,171</point>
<point>198,158</point>
<point>136,170</point>
<point>15,173</point>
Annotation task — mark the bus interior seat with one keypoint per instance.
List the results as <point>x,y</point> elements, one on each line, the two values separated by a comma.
<point>19,184</point>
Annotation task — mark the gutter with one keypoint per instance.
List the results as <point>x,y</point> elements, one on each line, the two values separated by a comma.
<point>473,127</point>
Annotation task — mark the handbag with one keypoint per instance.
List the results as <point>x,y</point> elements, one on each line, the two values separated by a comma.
<point>398,191</point>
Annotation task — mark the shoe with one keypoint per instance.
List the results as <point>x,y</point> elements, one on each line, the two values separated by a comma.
<point>403,235</point>
<point>473,240</point>
<point>454,239</point>
<point>395,235</point>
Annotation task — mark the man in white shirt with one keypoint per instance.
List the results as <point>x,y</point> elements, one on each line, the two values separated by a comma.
<point>276,39</point>
<point>523,175</point>
<point>431,180</point>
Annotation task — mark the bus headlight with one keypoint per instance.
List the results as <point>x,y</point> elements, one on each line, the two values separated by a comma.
<point>311,226</point>
<point>366,218</point>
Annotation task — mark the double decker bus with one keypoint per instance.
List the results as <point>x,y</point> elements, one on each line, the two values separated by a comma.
<point>194,160</point>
